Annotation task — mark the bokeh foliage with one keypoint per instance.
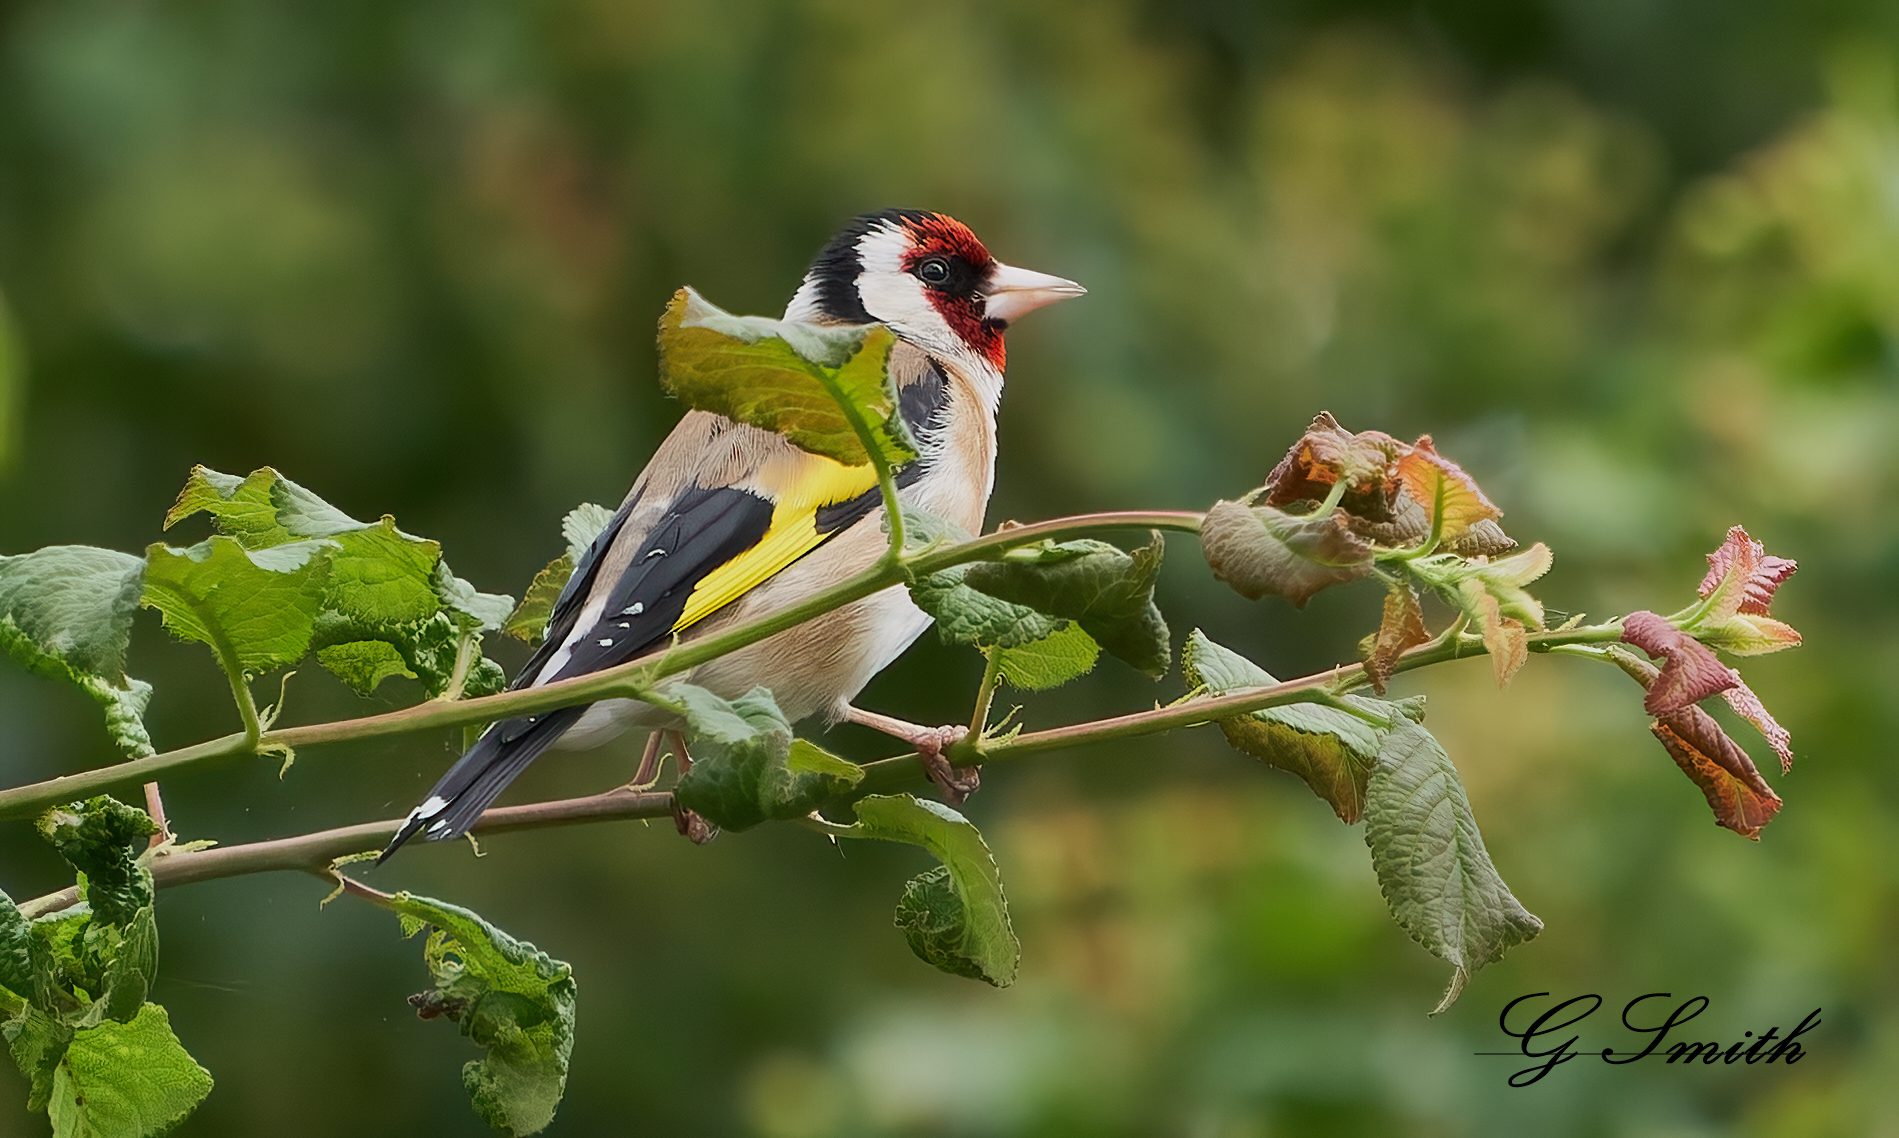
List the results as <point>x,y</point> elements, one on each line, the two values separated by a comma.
<point>1637,267</point>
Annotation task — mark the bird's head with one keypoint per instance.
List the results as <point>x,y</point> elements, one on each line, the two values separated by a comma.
<point>928,278</point>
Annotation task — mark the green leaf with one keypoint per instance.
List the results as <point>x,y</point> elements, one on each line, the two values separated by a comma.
<point>1332,750</point>
<point>1109,592</point>
<point>471,609</point>
<point>102,839</point>
<point>580,527</point>
<point>126,1080</point>
<point>1066,654</point>
<point>37,1041</point>
<point>807,382</point>
<point>254,608</point>
<point>381,585</point>
<point>510,998</point>
<point>965,615</point>
<point>1432,867</point>
<point>16,949</point>
<point>1262,550</point>
<point>747,768</point>
<point>964,929</point>
<point>364,664</point>
<point>66,613</point>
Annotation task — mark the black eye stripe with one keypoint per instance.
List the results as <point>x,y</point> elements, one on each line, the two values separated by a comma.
<point>950,274</point>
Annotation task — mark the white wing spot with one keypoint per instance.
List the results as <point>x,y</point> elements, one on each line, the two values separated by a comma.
<point>430,808</point>
<point>652,553</point>
<point>636,608</point>
<point>625,624</point>
<point>439,827</point>
<point>606,642</point>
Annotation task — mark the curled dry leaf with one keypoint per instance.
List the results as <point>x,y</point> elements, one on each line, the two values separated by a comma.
<point>1505,637</point>
<point>1326,454</point>
<point>1401,629</point>
<point>1690,672</point>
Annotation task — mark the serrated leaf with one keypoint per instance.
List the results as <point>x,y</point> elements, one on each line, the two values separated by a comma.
<point>16,950</point>
<point>1108,591</point>
<point>508,997</point>
<point>126,1080</point>
<point>254,608</point>
<point>471,610</point>
<point>803,381</point>
<point>102,839</point>
<point>1066,654</point>
<point>1433,869</point>
<point>965,615</point>
<point>746,767</point>
<point>381,584</point>
<point>1330,750</point>
<point>36,1040</point>
<point>1400,629</point>
<point>364,664</point>
<point>975,939</point>
<point>66,613</point>
<point>580,527</point>
<point>1263,551</point>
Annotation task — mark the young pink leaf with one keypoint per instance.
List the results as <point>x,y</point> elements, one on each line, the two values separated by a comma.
<point>1690,672</point>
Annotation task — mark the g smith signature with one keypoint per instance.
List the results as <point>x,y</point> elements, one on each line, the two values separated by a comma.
<point>1545,1035</point>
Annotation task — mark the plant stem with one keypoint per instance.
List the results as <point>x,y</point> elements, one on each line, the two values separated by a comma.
<point>313,853</point>
<point>626,680</point>
<point>986,691</point>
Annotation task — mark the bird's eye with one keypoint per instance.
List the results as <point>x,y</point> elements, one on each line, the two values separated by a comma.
<point>933,270</point>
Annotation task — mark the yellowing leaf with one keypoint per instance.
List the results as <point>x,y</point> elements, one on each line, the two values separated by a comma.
<point>816,385</point>
<point>1451,498</point>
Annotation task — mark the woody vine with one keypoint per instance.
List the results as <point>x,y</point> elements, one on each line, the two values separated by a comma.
<point>285,577</point>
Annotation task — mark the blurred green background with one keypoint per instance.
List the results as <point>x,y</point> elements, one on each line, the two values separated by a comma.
<point>1635,265</point>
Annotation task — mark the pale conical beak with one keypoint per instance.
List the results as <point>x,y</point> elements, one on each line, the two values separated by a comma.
<point>1013,293</point>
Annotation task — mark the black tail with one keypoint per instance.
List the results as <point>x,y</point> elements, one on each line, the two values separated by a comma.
<point>479,777</point>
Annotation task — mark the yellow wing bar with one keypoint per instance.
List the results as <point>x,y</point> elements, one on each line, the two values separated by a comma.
<point>799,488</point>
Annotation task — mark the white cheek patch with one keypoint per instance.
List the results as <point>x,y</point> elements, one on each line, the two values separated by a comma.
<point>896,298</point>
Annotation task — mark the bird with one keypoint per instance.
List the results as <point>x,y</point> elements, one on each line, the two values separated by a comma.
<point>729,522</point>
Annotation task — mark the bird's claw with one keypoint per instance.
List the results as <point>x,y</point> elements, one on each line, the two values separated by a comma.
<point>956,783</point>
<point>692,825</point>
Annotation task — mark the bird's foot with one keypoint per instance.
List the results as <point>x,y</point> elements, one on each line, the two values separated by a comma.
<point>691,824</point>
<point>956,783</point>
<point>931,743</point>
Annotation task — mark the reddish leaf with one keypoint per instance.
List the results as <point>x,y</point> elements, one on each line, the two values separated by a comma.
<point>1746,565</point>
<point>1449,496</point>
<point>1740,585</point>
<point>1690,672</point>
<point>1748,706</point>
<point>1741,800</point>
<point>1328,453</point>
<point>1401,629</point>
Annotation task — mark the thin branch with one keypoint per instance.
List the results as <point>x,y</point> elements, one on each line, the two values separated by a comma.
<point>626,680</point>
<point>155,808</point>
<point>314,853</point>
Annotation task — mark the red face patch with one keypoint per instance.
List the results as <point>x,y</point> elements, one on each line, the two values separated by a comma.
<point>953,266</point>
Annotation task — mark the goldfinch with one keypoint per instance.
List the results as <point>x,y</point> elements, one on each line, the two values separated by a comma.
<point>729,522</point>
